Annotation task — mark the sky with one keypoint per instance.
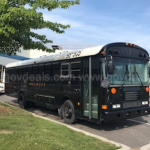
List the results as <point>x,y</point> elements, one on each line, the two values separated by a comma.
<point>97,22</point>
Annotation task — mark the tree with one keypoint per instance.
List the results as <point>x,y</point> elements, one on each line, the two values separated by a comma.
<point>17,22</point>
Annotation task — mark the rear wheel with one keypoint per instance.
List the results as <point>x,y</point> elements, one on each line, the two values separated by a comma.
<point>22,102</point>
<point>68,112</point>
<point>60,112</point>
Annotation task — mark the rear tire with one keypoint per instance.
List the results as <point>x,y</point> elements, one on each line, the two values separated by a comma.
<point>68,112</point>
<point>22,102</point>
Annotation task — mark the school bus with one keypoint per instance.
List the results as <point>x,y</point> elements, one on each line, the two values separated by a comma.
<point>102,83</point>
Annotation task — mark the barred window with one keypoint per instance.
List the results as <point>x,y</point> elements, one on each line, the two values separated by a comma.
<point>65,69</point>
<point>75,69</point>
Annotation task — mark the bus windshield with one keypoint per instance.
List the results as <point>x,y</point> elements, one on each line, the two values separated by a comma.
<point>127,71</point>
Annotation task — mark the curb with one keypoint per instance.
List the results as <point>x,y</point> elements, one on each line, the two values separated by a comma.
<point>123,147</point>
<point>146,147</point>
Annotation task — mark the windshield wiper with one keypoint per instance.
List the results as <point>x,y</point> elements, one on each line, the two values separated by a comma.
<point>126,73</point>
<point>136,73</point>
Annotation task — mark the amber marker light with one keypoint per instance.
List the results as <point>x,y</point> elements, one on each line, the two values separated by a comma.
<point>147,89</point>
<point>102,52</point>
<point>113,91</point>
<point>78,104</point>
<point>104,106</point>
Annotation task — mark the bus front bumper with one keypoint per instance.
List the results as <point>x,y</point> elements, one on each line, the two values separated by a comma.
<point>125,114</point>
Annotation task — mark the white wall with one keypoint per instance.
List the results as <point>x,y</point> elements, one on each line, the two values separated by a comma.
<point>23,53</point>
<point>32,53</point>
<point>5,61</point>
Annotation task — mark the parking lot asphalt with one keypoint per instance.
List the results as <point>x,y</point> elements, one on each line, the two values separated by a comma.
<point>134,132</point>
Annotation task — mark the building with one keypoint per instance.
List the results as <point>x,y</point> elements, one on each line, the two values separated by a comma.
<point>21,55</point>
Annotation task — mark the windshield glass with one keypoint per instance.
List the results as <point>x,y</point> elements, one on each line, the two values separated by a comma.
<point>127,71</point>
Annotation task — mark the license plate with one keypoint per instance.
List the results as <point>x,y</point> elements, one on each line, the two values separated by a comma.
<point>131,104</point>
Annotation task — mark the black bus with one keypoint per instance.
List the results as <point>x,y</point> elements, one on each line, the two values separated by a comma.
<point>98,84</point>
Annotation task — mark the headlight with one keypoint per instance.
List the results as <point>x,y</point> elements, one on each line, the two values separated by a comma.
<point>145,103</point>
<point>116,106</point>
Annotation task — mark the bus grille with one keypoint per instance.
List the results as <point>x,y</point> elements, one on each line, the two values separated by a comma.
<point>131,95</point>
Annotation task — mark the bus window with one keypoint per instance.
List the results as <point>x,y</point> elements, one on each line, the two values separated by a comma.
<point>34,72</point>
<point>30,74</point>
<point>65,70</point>
<point>55,72</point>
<point>47,73</point>
<point>40,72</point>
<point>55,69</point>
<point>75,69</point>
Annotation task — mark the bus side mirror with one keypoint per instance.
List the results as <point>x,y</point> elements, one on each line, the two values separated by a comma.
<point>111,67</point>
<point>105,83</point>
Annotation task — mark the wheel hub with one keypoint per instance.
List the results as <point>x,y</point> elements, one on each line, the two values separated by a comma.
<point>68,111</point>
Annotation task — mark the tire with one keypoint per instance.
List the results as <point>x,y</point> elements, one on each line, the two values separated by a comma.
<point>22,102</point>
<point>60,110</point>
<point>68,112</point>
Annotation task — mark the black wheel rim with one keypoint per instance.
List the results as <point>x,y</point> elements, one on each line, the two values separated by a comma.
<point>68,111</point>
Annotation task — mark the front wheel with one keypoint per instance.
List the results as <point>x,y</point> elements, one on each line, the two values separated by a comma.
<point>68,112</point>
<point>22,102</point>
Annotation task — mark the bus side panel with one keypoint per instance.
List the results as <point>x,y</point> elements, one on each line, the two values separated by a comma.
<point>69,87</point>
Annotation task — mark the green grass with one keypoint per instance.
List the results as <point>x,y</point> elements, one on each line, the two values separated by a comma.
<point>19,130</point>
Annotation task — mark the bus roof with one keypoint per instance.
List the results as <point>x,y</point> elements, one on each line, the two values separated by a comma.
<point>62,55</point>
<point>71,54</point>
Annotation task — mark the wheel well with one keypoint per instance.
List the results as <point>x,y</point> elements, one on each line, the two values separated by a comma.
<point>64,99</point>
<point>19,94</point>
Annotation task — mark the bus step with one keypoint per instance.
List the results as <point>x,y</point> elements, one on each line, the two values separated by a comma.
<point>94,113</point>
